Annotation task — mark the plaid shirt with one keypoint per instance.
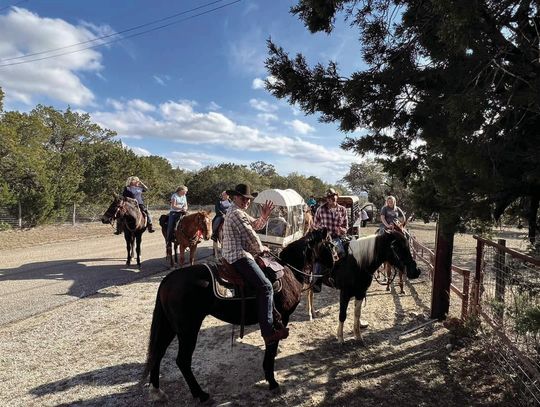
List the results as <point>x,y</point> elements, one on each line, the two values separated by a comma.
<point>239,237</point>
<point>331,218</point>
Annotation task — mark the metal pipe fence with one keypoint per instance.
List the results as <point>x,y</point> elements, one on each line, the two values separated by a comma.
<point>506,297</point>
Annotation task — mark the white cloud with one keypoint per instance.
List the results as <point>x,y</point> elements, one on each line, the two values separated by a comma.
<point>141,105</point>
<point>213,106</point>
<point>257,83</point>
<point>262,105</point>
<point>267,117</point>
<point>161,79</point>
<point>24,32</point>
<point>245,55</point>
<point>195,160</point>
<point>179,122</point>
<point>300,126</point>
<point>140,151</point>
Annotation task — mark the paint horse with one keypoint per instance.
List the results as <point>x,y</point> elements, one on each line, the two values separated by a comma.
<point>352,274</point>
<point>186,297</point>
<point>189,232</point>
<point>123,209</point>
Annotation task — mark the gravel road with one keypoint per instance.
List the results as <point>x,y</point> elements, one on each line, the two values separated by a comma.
<point>36,279</point>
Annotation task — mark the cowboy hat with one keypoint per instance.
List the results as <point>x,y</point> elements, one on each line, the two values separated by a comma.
<point>242,190</point>
<point>331,192</point>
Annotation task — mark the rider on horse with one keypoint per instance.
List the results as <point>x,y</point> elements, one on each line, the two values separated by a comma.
<point>178,209</point>
<point>222,205</point>
<point>134,189</point>
<point>332,216</point>
<point>240,245</point>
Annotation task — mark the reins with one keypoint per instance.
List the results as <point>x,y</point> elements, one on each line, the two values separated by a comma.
<point>388,282</point>
<point>310,275</point>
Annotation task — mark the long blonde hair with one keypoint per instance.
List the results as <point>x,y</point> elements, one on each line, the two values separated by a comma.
<point>393,198</point>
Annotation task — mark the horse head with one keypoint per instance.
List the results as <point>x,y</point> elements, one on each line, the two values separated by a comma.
<point>114,209</point>
<point>400,253</point>
<point>320,248</point>
<point>205,224</point>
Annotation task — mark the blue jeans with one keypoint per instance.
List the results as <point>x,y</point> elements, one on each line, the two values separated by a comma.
<point>255,277</point>
<point>173,217</point>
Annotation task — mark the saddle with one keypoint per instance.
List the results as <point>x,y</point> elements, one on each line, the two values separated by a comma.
<point>228,284</point>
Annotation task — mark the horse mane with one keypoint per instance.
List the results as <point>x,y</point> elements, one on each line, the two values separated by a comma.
<point>363,249</point>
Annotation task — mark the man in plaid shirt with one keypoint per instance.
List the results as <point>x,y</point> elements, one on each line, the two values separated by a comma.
<point>240,245</point>
<point>332,215</point>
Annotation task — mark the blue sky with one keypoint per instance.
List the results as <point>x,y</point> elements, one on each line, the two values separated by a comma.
<point>190,92</point>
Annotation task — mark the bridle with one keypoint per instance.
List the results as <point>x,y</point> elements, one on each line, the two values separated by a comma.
<point>199,233</point>
<point>308,264</point>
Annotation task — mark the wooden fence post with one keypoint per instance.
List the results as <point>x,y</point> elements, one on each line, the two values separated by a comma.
<point>500,282</point>
<point>74,214</point>
<point>20,214</point>
<point>475,290</point>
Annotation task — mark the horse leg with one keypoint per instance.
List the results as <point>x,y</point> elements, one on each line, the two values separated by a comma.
<point>138,239</point>
<point>192,250</point>
<point>343,303</point>
<point>165,336</point>
<point>388,270</point>
<point>128,248</point>
<point>182,250</point>
<point>175,254</point>
<point>168,254</point>
<point>309,304</point>
<point>358,323</point>
<point>187,340</point>
<point>268,365</point>
<point>401,291</point>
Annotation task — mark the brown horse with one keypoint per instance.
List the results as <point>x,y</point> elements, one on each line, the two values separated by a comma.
<point>191,230</point>
<point>127,210</point>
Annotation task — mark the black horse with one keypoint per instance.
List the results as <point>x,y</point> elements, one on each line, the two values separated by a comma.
<point>185,297</point>
<point>352,274</point>
<point>123,209</point>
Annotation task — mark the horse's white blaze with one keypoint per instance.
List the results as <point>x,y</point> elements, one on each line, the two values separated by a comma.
<point>340,332</point>
<point>363,249</point>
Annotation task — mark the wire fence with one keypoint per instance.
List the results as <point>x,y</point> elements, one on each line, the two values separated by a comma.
<point>459,283</point>
<point>12,217</point>
<point>507,288</point>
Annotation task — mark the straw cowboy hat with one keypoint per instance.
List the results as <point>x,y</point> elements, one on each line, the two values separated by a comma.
<point>331,192</point>
<point>242,190</point>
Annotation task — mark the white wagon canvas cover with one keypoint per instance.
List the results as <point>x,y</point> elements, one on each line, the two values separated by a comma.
<point>286,222</point>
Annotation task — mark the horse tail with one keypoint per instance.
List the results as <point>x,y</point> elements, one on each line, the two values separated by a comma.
<point>160,324</point>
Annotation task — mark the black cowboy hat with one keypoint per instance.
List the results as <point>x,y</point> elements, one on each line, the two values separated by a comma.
<point>243,190</point>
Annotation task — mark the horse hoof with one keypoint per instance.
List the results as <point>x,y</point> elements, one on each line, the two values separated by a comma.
<point>274,387</point>
<point>204,398</point>
<point>157,394</point>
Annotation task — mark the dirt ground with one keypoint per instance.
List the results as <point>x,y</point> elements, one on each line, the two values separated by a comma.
<point>91,352</point>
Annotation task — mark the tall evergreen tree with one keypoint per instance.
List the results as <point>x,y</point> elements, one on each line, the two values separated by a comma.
<point>449,95</point>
